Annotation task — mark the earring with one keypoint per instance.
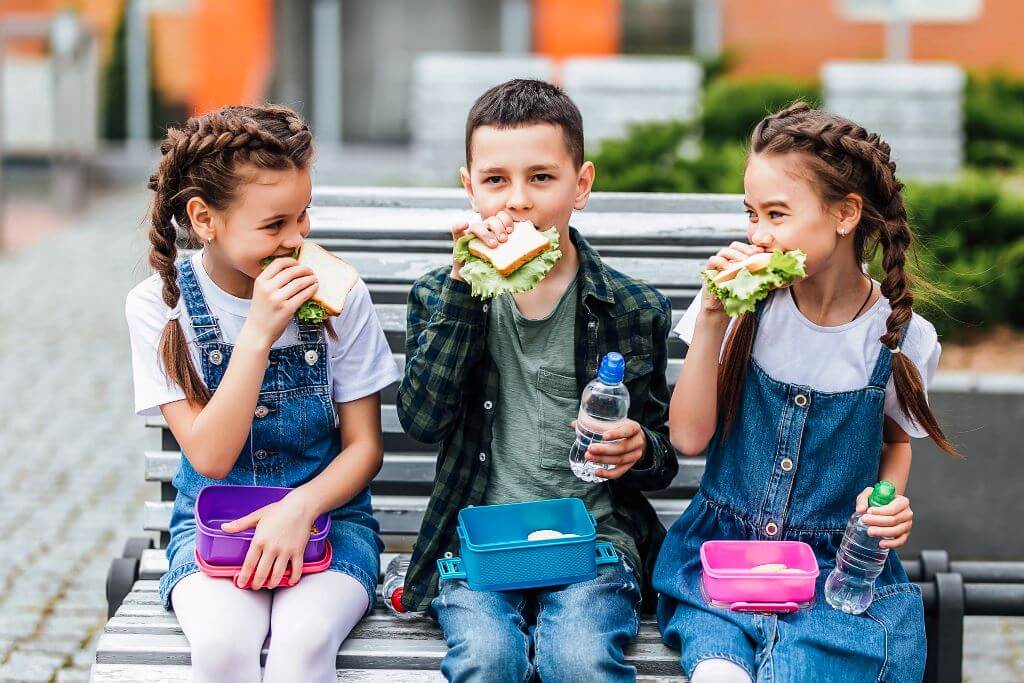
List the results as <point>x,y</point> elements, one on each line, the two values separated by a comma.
<point>842,232</point>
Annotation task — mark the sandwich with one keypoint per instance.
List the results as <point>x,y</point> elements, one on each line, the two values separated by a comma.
<point>335,279</point>
<point>516,265</point>
<point>740,286</point>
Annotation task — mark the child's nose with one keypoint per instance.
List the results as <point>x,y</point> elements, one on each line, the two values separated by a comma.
<point>759,236</point>
<point>518,200</point>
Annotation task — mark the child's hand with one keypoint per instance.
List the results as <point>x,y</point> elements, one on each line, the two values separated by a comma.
<point>734,253</point>
<point>277,293</point>
<point>623,454</point>
<point>282,532</point>
<point>492,231</point>
<point>891,522</point>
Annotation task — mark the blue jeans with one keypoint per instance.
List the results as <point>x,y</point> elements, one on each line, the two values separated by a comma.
<point>567,633</point>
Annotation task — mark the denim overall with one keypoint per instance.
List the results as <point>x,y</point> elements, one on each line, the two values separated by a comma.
<point>294,437</point>
<point>791,469</point>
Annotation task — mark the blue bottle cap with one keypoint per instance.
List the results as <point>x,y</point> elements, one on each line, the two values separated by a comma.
<point>613,368</point>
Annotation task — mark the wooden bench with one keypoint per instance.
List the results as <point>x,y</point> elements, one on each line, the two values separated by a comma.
<point>393,236</point>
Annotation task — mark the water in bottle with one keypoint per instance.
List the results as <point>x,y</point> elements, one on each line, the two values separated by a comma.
<point>603,406</point>
<point>394,579</point>
<point>851,585</point>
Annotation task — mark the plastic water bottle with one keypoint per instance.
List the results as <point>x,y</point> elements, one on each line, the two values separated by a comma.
<point>394,579</point>
<point>603,406</point>
<point>851,585</point>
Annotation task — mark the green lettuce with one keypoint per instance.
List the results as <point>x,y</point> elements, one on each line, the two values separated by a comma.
<point>741,294</point>
<point>309,312</point>
<point>485,282</point>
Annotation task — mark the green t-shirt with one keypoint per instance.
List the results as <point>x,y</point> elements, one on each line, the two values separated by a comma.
<point>537,401</point>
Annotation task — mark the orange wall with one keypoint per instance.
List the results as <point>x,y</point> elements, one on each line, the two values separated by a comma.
<point>797,36</point>
<point>576,27</point>
<point>232,52</point>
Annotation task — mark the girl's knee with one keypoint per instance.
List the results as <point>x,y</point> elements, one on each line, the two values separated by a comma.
<point>223,656</point>
<point>719,671</point>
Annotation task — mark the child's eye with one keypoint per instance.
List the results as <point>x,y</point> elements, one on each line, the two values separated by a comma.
<point>302,216</point>
<point>751,214</point>
<point>542,177</point>
<point>774,215</point>
<point>493,180</point>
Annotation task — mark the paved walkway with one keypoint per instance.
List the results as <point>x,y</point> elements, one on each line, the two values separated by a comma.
<point>71,486</point>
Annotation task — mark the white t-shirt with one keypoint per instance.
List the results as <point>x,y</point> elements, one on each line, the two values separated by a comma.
<point>360,360</point>
<point>793,350</point>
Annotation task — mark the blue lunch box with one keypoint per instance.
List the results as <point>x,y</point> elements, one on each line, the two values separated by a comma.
<point>496,555</point>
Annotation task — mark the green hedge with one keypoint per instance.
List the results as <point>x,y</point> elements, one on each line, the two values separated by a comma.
<point>994,121</point>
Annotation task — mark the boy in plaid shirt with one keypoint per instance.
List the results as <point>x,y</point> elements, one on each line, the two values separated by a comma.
<point>497,384</point>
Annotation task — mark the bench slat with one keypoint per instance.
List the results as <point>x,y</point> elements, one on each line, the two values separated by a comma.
<point>414,473</point>
<point>386,198</point>
<point>145,673</point>
<point>356,653</point>
<point>399,515</point>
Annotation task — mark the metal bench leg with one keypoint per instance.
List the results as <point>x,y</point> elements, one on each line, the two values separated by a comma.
<point>124,572</point>
<point>945,626</point>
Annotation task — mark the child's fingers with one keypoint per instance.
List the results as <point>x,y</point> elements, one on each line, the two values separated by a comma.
<point>276,266</point>
<point>732,255</point>
<point>897,505</point>
<point>892,543</point>
<point>862,500</point>
<point>508,223</point>
<point>288,274</point>
<point>277,572</point>
<point>484,232</point>
<point>497,226</point>
<point>459,229</point>
<point>717,263</point>
<point>262,573</point>
<point>888,520</point>
<point>625,431</point>
<point>243,523</point>
<point>296,569</point>
<point>745,248</point>
<point>252,558</point>
<point>298,285</point>
<point>889,531</point>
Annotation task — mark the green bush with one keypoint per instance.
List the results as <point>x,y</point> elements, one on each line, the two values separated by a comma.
<point>731,108</point>
<point>994,121</point>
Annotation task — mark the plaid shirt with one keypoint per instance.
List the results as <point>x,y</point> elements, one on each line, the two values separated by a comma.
<point>450,389</point>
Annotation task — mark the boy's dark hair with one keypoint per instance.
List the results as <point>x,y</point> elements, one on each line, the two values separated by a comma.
<point>522,102</point>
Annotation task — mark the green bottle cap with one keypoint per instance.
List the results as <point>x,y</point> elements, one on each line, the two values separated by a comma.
<point>882,494</point>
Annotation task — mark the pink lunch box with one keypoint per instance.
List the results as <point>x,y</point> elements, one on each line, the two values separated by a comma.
<point>728,579</point>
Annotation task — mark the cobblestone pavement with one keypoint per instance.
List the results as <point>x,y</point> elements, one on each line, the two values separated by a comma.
<point>71,487</point>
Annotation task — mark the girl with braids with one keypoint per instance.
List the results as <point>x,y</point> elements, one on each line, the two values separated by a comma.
<point>255,397</point>
<point>801,407</point>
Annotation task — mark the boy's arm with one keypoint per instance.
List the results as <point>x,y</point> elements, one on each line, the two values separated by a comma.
<point>659,464</point>
<point>444,339</point>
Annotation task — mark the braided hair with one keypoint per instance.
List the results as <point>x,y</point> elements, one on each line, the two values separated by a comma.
<point>845,158</point>
<point>203,159</point>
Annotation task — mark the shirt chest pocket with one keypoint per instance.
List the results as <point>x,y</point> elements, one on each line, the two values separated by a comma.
<point>557,405</point>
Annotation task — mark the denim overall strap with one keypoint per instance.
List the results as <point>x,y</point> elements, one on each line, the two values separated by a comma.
<point>204,324</point>
<point>311,333</point>
<point>883,366</point>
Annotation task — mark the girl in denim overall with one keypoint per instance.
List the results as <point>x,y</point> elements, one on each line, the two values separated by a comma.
<point>802,406</point>
<point>254,396</point>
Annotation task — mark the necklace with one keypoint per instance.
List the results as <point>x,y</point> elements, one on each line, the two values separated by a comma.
<point>871,290</point>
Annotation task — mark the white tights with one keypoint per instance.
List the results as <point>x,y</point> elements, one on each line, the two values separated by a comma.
<point>226,627</point>
<point>719,671</point>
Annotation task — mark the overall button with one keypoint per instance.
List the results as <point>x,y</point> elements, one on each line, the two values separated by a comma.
<point>800,400</point>
<point>260,454</point>
<point>485,308</point>
<point>312,357</point>
<point>262,411</point>
<point>786,464</point>
<point>216,357</point>
<point>771,528</point>
<point>488,405</point>
<point>483,457</point>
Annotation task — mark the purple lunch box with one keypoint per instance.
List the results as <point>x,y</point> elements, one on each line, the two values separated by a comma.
<point>218,504</point>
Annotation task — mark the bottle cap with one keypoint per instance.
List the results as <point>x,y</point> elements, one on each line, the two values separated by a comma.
<point>396,599</point>
<point>882,494</point>
<point>613,368</point>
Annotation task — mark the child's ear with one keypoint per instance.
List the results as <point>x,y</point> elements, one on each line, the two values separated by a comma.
<point>467,183</point>
<point>200,216</point>
<point>584,184</point>
<point>848,212</point>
